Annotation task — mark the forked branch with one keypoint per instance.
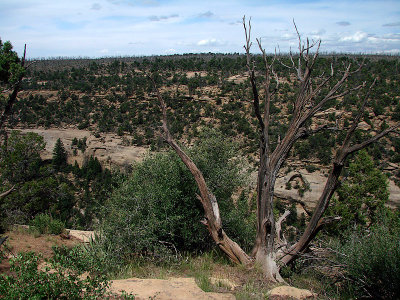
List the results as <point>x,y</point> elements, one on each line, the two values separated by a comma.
<point>317,220</point>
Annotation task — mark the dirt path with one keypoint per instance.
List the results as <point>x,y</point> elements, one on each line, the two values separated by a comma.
<point>170,289</point>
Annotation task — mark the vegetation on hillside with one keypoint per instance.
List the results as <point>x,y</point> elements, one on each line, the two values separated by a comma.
<point>152,212</point>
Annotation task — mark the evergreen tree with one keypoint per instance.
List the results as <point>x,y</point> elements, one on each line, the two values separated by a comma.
<point>59,156</point>
<point>361,198</point>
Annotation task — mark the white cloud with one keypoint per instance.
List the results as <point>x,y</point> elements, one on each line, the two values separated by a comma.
<point>357,37</point>
<point>170,51</point>
<point>210,42</point>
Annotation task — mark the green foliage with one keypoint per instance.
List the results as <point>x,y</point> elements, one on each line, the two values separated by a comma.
<point>156,211</point>
<point>371,263</point>
<point>62,282</point>
<point>44,223</point>
<point>361,196</point>
<point>38,190</point>
<point>95,185</point>
<point>59,156</point>
<point>52,194</point>
<point>318,145</point>
<point>10,67</point>
<point>81,259</point>
<point>20,157</point>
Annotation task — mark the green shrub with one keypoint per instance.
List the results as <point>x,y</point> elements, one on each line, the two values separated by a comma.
<point>29,282</point>
<point>43,223</point>
<point>20,158</point>
<point>372,263</point>
<point>156,211</point>
<point>56,226</point>
<point>360,197</point>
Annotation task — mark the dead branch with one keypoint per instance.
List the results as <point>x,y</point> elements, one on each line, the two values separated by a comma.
<point>316,222</point>
<point>281,240</point>
<point>6,193</point>
<point>209,202</point>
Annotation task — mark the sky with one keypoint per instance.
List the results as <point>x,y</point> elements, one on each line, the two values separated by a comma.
<point>104,28</point>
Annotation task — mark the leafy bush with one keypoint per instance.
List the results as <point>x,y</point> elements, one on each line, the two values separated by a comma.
<point>55,226</point>
<point>156,211</point>
<point>360,197</point>
<point>20,157</point>
<point>372,263</point>
<point>29,282</point>
<point>50,194</point>
<point>43,223</point>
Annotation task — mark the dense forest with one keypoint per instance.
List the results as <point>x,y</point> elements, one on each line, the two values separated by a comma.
<point>151,209</point>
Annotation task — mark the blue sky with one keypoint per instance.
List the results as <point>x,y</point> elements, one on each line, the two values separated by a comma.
<point>99,28</point>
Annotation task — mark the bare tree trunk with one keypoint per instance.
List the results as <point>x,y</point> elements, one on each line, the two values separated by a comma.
<point>268,248</point>
<point>331,184</point>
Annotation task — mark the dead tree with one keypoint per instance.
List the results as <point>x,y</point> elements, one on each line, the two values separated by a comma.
<point>271,250</point>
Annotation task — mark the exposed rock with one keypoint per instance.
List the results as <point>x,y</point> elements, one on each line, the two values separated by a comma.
<point>316,181</point>
<point>363,126</point>
<point>394,196</point>
<point>289,292</point>
<point>171,289</point>
<point>109,148</point>
<point>329,111</point>
<point>84,236</point>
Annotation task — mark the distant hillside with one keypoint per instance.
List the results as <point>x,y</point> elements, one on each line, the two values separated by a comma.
<point>114,95</point>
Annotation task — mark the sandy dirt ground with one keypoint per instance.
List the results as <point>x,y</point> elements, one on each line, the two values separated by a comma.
<point>170,289</point>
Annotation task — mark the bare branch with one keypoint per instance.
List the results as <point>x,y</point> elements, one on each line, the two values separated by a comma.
<point>368,142</point>
<point>256,100</point>
<point>358,117</point>
<point>278,229</point>
<point>331,94</point>
<point>304,132</point>
<point>6,193</point>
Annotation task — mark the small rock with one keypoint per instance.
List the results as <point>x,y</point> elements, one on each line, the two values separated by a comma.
<point>363,126</point>
<point>289,292</point>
